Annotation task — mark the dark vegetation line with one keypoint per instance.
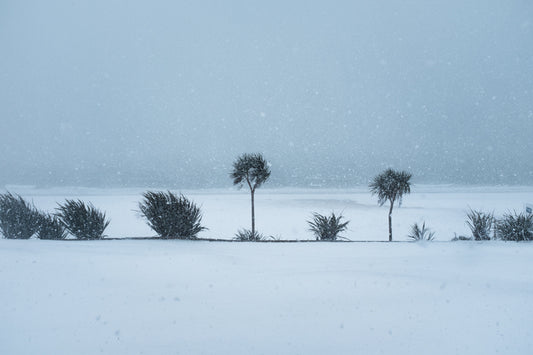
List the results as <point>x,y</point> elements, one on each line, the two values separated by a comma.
<point>172,216</point>
<point>243,241</point>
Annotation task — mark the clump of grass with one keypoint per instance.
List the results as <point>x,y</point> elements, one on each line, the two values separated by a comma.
<point>460,238</point>
<point>420,233</point>
<point>327,227</point>
<point>82,220</point>
<point>18,219</point>
<point>171,216</point>
<point>480,224</point>
<point>246,235</point>
<point>515,227</point>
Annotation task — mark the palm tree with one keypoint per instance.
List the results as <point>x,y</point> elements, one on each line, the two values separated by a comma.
<point>254,170</point>
<point>390,186</point>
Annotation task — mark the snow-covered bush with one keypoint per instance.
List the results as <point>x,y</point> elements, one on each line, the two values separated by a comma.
<point>460,238</point>
<point>50,227</point>
<point>18,218</point>
<point>420,234</point>
<point>246,235</point>
<point>327,228</point>
<point>516,227</point>
<point>82,220</point>
<point>171,216</point>
<point>480,223</point>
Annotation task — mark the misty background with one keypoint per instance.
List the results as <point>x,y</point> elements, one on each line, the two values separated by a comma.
<point>168,93</point>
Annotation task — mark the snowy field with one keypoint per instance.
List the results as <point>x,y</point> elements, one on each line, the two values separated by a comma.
<point>197,297</point>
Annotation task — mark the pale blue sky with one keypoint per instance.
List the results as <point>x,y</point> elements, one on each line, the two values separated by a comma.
<point>168,93</point>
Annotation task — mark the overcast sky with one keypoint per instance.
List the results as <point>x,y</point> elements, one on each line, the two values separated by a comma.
<point>169,93</point>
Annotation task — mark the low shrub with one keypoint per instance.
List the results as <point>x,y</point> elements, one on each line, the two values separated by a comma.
<point>327,228</point>
<point>171,216</point>
<point>460,238</point>
<point>419,234</point>
<point>18,218</point>
<point>246,235</point>
<point>82,220</point>
<point>515,227</point>
<point>480,223</point>
<point>50,227</point>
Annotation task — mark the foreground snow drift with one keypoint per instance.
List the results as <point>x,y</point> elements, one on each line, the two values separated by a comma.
<point>177,297</point>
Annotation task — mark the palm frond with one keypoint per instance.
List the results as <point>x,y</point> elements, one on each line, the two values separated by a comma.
<point>250,168</point>
<point>390,185</point>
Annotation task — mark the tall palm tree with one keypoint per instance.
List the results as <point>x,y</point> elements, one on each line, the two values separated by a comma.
<point>254,170</point>
<point>390,186</point>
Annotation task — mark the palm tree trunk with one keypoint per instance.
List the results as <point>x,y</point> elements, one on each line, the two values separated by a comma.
<point>390,221</point>
<point>253,214</point>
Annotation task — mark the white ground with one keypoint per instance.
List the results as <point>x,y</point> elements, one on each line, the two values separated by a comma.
<point>168,297</point>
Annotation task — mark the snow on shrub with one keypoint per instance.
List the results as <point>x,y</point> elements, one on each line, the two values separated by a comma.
<point>515,227</point>
<point>327,228</point>
<point>480,223</point>
<point>82,220</point>
<point>171,216</point>
<point>420,234</point>
<point>50,227</point>
<point>246,235</point>
<point>18,218</point>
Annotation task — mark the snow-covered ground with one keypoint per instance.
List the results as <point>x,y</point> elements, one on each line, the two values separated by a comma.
<point>179,297</point>
<point>197,297</point>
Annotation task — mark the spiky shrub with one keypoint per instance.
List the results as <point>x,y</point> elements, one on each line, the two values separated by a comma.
<point>515,227</point>
<point>460,238</point>
<point>480,223</point>
<point>420,233</point>
<point>50,227</point>
<point>82,220</point>
<point>246,235</point>
<point>171,216</point>
<point>390,186</point>
<point>327,228</point>
<point>18,218</point>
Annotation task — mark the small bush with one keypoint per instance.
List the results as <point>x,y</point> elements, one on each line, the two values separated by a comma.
<point>18,218</point>
<point>460,238</point>
<point>480,223</point>
<point>246,235</point>
<point>515,227</point>
<point>327,228</point>
<point>419,234</point>
<point>82,220</point>
<point>171,216</point>
<point>50,227</point>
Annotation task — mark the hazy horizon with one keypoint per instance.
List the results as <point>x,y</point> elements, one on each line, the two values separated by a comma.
<point>169,93</point>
